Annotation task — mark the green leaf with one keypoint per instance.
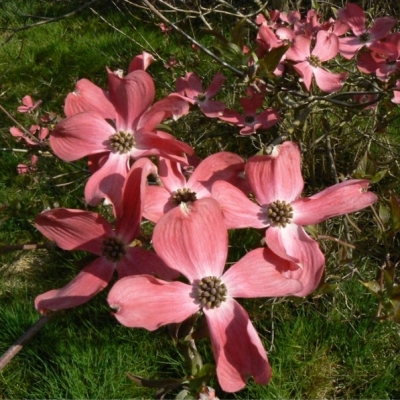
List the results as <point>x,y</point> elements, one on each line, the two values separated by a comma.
<point>384,213</point>
<point>366,168</point>
<point>270,61</point>
<point>373,287</point>
<point>395,212</point>
<point>238,33</point>
<point>379,176</point>
<point>396,310</point>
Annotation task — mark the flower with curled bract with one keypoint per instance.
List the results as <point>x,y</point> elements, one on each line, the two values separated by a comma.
<point>277,183</point>
<point>88,231</point>
<point>197,246</point>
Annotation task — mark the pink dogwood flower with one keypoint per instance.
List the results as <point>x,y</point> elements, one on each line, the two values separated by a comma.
<point>276,182</point>
<point>191,86</point>
<point>396,93</point>
<point>326,47</point>
<point>250,121</point>
<point>28,105</point>
<point>353,15</point>
<point>197,247</point>
<point>120,123</point>
<point>177,191</point>
<point>382,59</point>
<point>89,231</point>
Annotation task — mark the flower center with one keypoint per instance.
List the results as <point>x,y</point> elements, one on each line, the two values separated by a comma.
<point>184,195</point>
<point>211,292</point>
<point>200,97</point>
<point>113,249</point>
<point>249,119</point>
<point>280,213</point>
<point>122,142</point>
<point>314,61</point>
<point>365,37</point>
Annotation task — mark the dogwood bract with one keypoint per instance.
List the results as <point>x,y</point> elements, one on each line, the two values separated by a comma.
<point>88,231</point>
<point>196,244</point>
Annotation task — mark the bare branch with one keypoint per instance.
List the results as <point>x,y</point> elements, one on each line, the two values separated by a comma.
<point>45,21</point>
<point>195,42</point>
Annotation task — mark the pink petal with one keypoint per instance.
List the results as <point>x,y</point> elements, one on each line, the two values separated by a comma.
<point>81,135</point>
<point>348,46</point>
<point>158,202</point>
<point>172,106</point>
<point>131,96</point>
<point>250,105</point>
<point>88,97</point>
<point>212,108</point>
<point>300,50</point>
<point>306,71</point>
<point>141,261</point>
<point>258,274</point>
<point>133,195</point>
<point>149,143</point>
<point>326,47</point>
<point>215,85</point>
<point>277,176</point>
<point>353,15</point>
<point>141,62</point>
<point>107,182</point>
<point>90,281</point>
<point>223,165</point>
<point>27,101</point>
<point>193,85</point>
<point>267,118</point>
<point>382,27</point>
<point>195,241</point>
<point>328,81</point>
<point>292,243</point>
<point>238,210</point>
<point>143,301</point>
<point>342,198</point>
<point>74,229</point>
<point>238,351</point>
<point>309,276</point>
<point>171,176</point>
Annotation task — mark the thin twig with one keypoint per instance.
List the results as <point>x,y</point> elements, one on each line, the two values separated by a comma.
<point>327,237</point>
<point>195,42</point>
<point>47,21</point>
<point>28,335</point>
<point>14,247</point>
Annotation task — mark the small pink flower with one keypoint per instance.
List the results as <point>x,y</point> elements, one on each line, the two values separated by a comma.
<point>198,247</point>
<point>31,167</point>
<point>353,15</point>
<point>88,231</point>
<point>28,105</point>
<point>250,121</point>
<point>191,86</point>
<point>310,65</point>
<point>164,28</point>
<point>177,191</point>
<point>396,93</point>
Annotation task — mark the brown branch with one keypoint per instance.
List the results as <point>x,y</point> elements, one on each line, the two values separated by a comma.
<point>14,247</point>
<point>28,335</point>
<point>44,22</point>
<point>195,42</point>
<point>327,237</point>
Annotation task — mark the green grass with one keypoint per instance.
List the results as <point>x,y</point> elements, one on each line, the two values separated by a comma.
<point>326,346</point>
